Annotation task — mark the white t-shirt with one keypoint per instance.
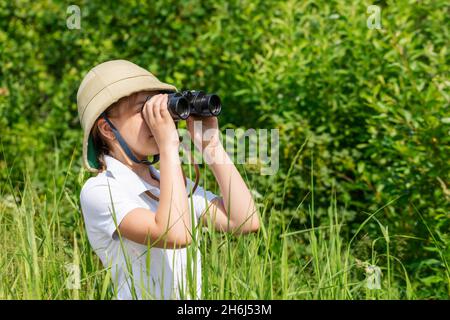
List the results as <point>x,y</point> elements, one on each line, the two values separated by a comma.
<point>155,273</point>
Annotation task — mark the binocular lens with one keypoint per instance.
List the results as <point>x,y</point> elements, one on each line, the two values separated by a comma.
<point>214,104</point>
<point>182,108</point>
<point>179,107</point>
<point>204,105</point>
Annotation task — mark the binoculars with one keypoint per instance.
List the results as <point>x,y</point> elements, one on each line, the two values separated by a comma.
<point>191,102</point>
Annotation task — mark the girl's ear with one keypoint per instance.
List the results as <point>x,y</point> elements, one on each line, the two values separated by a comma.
<point>105,129</point>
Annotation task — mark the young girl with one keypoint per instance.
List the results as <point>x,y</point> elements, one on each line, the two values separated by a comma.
<point>138,219</point>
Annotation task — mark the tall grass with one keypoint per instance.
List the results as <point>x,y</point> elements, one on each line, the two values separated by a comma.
<point>45,251</point>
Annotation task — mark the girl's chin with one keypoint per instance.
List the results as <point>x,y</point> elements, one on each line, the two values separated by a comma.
<point>151,152</point>
<point>148,156</point>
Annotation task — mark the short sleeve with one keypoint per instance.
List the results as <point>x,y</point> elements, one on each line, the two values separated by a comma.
<point>201,198</point>
<point>104,205</point>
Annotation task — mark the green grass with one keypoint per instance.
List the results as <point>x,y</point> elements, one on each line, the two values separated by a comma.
<point>43,237</point>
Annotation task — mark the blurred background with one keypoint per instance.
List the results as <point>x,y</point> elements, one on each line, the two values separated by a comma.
<point>368,102</point>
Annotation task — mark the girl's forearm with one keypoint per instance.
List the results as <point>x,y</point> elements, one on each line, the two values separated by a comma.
<point>173,211</point>
<point>238,201</point>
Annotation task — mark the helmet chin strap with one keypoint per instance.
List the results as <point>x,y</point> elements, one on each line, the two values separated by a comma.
<point>130,154</point>
<point>125,147</point>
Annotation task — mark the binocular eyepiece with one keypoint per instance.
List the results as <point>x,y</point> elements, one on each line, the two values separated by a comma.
<point>190,102</point>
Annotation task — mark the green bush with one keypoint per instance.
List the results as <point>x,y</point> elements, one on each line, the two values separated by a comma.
<point>372,105</point>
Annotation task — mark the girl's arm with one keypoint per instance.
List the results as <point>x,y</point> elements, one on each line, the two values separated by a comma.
<point>236,211</point>
<point>170,225</point>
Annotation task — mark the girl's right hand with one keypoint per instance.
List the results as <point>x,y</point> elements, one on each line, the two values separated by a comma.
<point>158,119</point>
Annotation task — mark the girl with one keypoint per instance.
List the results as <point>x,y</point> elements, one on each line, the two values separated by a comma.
<point>138,219</point>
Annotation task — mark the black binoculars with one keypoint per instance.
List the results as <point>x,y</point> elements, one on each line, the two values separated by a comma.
<point>190,102</point>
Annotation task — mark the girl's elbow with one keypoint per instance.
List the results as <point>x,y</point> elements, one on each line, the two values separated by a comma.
<point>255,221</point>
<point>254,227</point>
<point>181,241</point>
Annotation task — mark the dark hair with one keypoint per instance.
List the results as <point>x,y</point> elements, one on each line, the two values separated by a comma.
<point>98,139</point>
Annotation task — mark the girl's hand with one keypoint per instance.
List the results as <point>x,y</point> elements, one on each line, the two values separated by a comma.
<point>158,119</point>
<point>204,132</point>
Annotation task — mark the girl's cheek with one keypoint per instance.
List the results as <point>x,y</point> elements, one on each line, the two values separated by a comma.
<point>144,127</point>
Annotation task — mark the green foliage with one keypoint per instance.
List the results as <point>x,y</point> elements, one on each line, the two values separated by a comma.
<point>371,104</point>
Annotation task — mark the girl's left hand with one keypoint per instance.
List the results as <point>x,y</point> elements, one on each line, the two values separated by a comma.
<point>204,132</point>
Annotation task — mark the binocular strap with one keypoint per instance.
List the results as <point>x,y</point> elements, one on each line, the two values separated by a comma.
<point>197,179</point>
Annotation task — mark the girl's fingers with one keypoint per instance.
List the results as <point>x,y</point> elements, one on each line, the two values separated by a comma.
<point>156,111</point>
<point>164,111</point>
<point>157,108</point>
<point>148,111</point>
<point>144,113</point>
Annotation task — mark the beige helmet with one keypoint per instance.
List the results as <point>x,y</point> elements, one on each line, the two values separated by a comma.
<point>103,85</point>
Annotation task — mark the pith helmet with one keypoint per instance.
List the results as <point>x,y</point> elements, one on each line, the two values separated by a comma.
<point>103,85</point>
